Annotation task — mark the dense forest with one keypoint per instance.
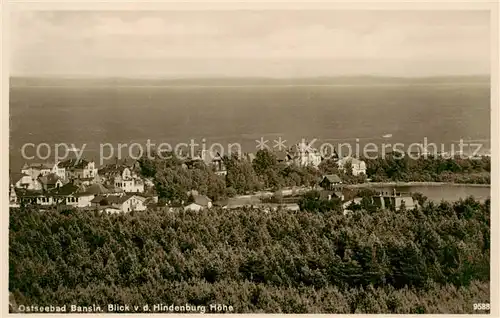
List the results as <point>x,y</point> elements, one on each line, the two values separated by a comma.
<point>433,259</point>
<point>172,180</point>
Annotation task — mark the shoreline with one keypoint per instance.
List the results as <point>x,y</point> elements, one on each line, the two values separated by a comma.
<point>415,183</point>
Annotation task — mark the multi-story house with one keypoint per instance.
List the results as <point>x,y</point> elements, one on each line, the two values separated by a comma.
<point>79,169</point>
<point>50,181</point>
<point>122,177</point>
<point>36,169</point>
<point>304,155</point>
<point>24,181</point>
<point>358,166</point>
<point>210,159</point>
<point>129,184</point>
<point>394,200</point>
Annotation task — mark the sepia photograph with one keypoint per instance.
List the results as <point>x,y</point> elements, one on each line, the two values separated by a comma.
<point>253,160</point>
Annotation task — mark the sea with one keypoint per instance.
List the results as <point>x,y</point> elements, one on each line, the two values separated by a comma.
<point>88,117</point>
<point>445,192</point>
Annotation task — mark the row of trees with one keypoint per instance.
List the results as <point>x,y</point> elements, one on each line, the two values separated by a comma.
<point>430,259</point>
<point>437,169</point>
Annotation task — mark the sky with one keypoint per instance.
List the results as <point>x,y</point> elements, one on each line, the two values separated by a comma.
<point>270,43</point>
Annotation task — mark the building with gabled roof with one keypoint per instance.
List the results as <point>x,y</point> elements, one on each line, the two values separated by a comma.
<point>199,202</point>
<point>79,169</point>
<point>122,202</point>
<point>122,177</point>
<point>68,194</point>
<point>36,169</point>
<point>96,189</point>
<point>50,181</point>
<point>24,181</point>
<point>394,200</point>
<point>331,182</point>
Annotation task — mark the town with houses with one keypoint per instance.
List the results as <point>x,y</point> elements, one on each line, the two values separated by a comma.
<point>119,187</point>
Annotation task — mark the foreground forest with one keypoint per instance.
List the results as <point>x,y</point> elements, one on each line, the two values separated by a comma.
<point>434,259</point>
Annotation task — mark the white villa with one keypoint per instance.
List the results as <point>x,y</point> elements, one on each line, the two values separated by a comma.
<point>34,170</point>
<point>119,203</point>
<point>79,169</point>
<point>122,177</point>
<point>303,155</point>
<point>358,166</point>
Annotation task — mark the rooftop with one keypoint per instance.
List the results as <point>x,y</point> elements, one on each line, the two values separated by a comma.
<point>332,178</point>
<point>38,165</point>
<point>74,163</point>
<point>16,176</point>
<point>202,200</point>
<point>350,159</point>
<point>50,179</point>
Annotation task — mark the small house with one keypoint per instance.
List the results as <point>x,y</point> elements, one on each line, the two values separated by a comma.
<point>394,201</point>
<point>331,182</point>
<point>199,202</point>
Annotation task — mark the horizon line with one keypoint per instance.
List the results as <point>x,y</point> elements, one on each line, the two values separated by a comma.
<point>81,76</point>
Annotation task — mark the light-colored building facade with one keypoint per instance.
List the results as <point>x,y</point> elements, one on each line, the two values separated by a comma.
<point>68,194</point>
<point>129,184</point>
<point>303,154</point>
<point>24,181</point>
<point>79,169</point>
<point>42,169</point>
<point>122,177</point>
<point>394,201</point>
<point>358,166</point>
<point>200,202</point>
<point>122,202</point>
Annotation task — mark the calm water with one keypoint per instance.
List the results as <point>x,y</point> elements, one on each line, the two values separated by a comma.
<point>445,192</point>
<point>335,114</point>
